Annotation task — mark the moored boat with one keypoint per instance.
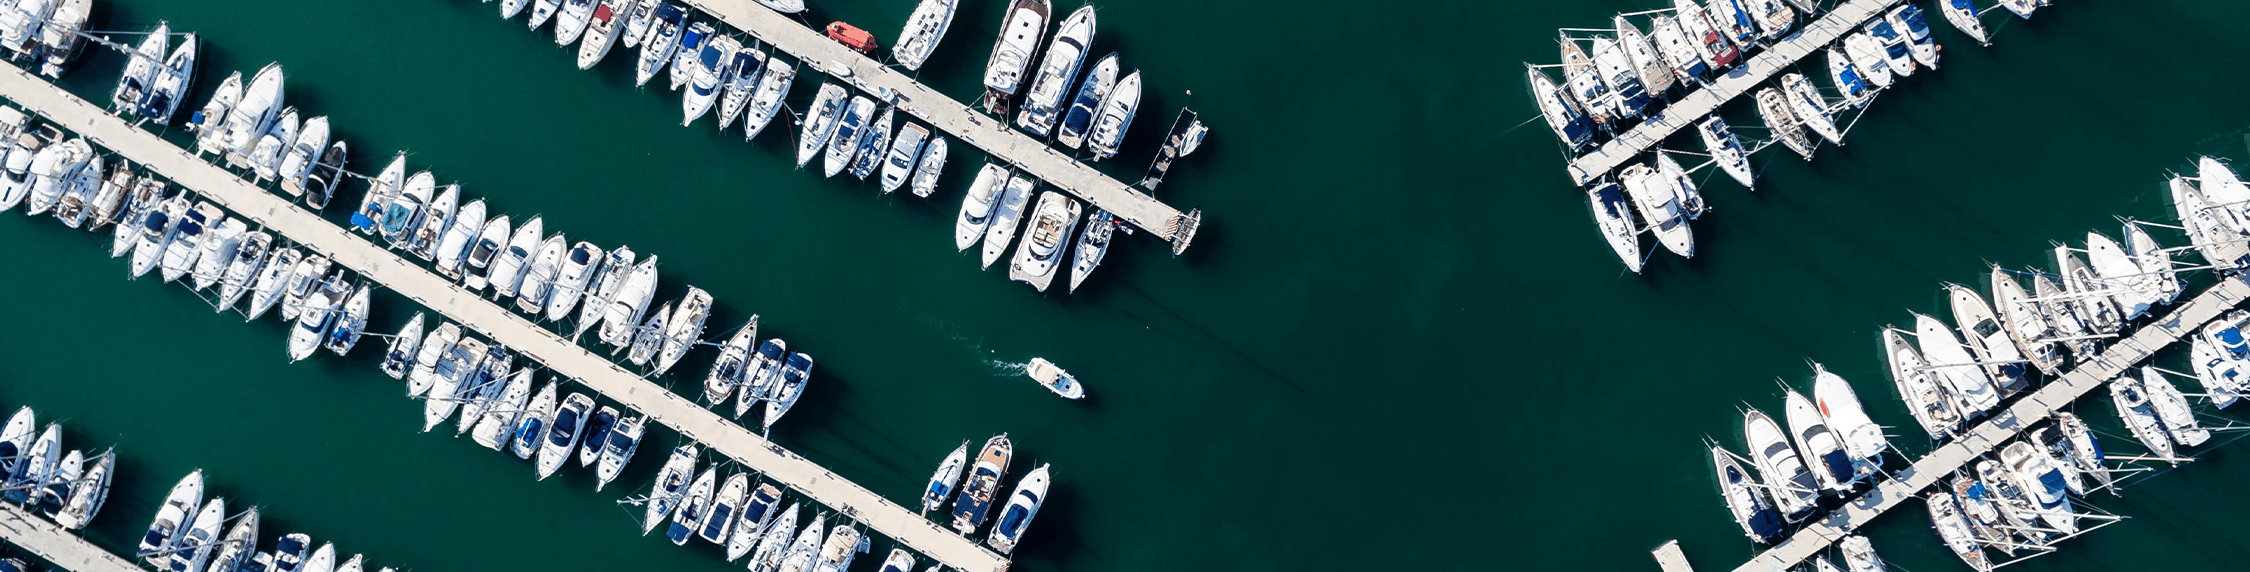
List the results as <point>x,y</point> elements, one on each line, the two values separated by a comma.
<point>976,495</point>
<point>1774,108</point>
<point>1830,465</point>
<point>1932,407</point>
<point>1747,501</point>
<point>617,448</point>
<point>947,476</point>
<point>1725,149</point>
<point>1021,29</point>
<point>925,27</point>
<point>2140,417</point>
<point>1840,410</point>
<point>820,122</point>
<point>1015,518</point>
<point>1042,104</point>
<point>1002,229</point>
<point>1795,488</point>
<point>1988,340</point>
<point>1963,15</point>
<point>1613,216</point>
<point>1092,245</point>
<point>977,206</point>
<point>1046,235</point>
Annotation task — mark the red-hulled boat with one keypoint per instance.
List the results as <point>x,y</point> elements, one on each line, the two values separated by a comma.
<point>852,36</point>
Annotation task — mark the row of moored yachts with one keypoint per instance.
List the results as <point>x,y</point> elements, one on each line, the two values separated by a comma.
<point>1626,77</point>
<point>719,71</point>
<point>2017,500</point>
<point>183,538</point>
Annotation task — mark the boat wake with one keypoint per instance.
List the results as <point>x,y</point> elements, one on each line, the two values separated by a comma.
<point>1006,368</point>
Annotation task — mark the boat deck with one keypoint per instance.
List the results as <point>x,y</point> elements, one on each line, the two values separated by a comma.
<point>1777,57</point>
<point>277,214</point>
<point>2003,425</point>
<point>67,551</point>
<point>995,137</point>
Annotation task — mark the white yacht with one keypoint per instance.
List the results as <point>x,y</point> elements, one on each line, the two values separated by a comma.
<point>1841,412</point>
<point>379,193</point>
<point>625,310</point>
<point>617,448</point>
<point>87,497</point>
<point>1988,340</point>
<point>187,239</point>
<point>460,237</point>
<point>563,433</point>
<point>1046,235</point>
<point>1586,85</point>
<point>694,505</point>
<point>1774,108</point>
<point>571,21</point>
<point>350,322</point>
<point>1725,149</point>
<point>1908,18</point>
<point>539,275</point>
<point>1613,216</point>
<point>1796,490</point>
<point>140,71</point>
<point>1896,52</point>
<point>684,329</point>
<point>451,381</point>
<point>2036,474</point>
<point>1615,69</point>
<point>1848,80</point>
<point>773,86</point>
<point>1569,124</point>
<point>1714,47</point>
<point>427,356</point>
<point>403,211</point>
<point>983,484</point>
<point>977,206</point>
<point>2026,323</point>
<point>2172,408</point>
<point>266,155</point>
<point>905,150</point>
<point>1042,104</point>
<point>477,262</point>
<point>496,428</point>
<point>1963,14</point>
<point>438,217</point>
<point>1868,58</point>
<point>726,507</point>
<point>173,517</point>
<point>740,83</point>
<point>209,124</point>
<point>709,71</point>
<point>1773,17</point>
<point>2085,453</point>
<point>543,10</point>
<point>571,279</point>
<point>820,122</point>
<point>156,232</point>
<point>217,253</point>
<point>1117,114</point>
<point>316,314</point>
<point>303,153</point>
<point>691,44</point>
<point>1002,228</point>
<point>873,140</point>
<point>507,271</point>
<point>260,107</point>
<point>1092,245</point>
<point>637,21</point>
<point>403,348</point>
<point>800,554</point>
<point>2133,291</point>
<point>844,144</point>
<point>603,288</point>
<point>762,374</point>
<point>662,40</point>
<point>1747,501</point>
<point>1932,407</point>
<point>796,372</point>
<point>925,27</point>
<point>1078,120</point>
<point>1023,505</point>
<point>169,84</point>
<point>1953,367</point>
<point>272,280</point>
<point>671,485</point>
<point>2095,308</point>
<point>947,476</point>
<point>1655,73</point>
<point>1810,107</point>
<point>1831,466</point>
<point>2139,416</point>
<point>1021,29</point>
<point>774,539</point>
<point>1673,45</point>
<point>193,549</point>
<point>602,29</point>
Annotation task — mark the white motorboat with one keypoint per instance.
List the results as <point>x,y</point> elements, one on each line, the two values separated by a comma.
<point>1896,50</point>
<point>1023,505</point>
<point>1613,216</point>
<point>800,554</point>
<point>15,441</point>
<point>320,182</point>
<point>194,547</point>
<point>671,486</point>
<point>437,218</point>
<point>531,427</point>
<point>847,140</point>
<point>1988,341</point>
<point>796,373</point>
<point>977,206</point>
<point>2023,8</point>
<point>638,22</point>
<point>496,428</point>
<point>2036,474</point>
<point>427,356</point>
<point>617,448</point>
<point>217,253</point>
<point>1675,180</point>
<point>1046,235</point>
<point>157,230</point>
<point>2224,378</point>
<point>1934,408</point>
<point>1840,410</point>
<point>404,347</point>
<point>1725,149</point>
<point>2140,416</point>
<point>1677,49</point>
<point>571,278</point>
<point>1907,18</point>
<point>140,71</point>
<point>350,322</point>
<point>1963,14</point>
<point>1002,228</point>
<point>272,281</point>
<point>1953,367</point>
<point>1659,208</point>
<point>708,72</point>
<point>452,381</point>
<point>2095,308</point>
<point>695,503</point>
<point>820,122</point>
<point>187,239</point>
<point>2133,291</point>
<point>459,237</point>
<point>602,290</point>
<point>266,155</point>
<point>1848,80</point>
<point>602,29</point>
<point>631,302</point>
<point>236,546</point>
<point>662,40</point>
<point>572,19</point>
<point>87,497</point>
<point>255,115</point>
<point>1092,245</point>
<point>740,83</point>
<point>1021,29</point>
<point>1773,17</point>
<point>403,211</point>
<point>1569,124</point>
<point>1796,488</point>
<point>837,552</point>
<point>947,476</point>
<point>304,151</point>
<point>691,45</point>
<point>209,124</point>
<point>380,191</point>
<point>2085,452</point>
<point>173,517</point>
<point>2155,262</point>
<point>772,87</point>
<point>2172,408</point>
<point>595,435</point>
<point>718,521</point>
<point>477,264</point>
<point>756,511</point>
<point>1117,114</point>
<point>539,275</point>
<point>1747,501</point>
<point>1830,465</point>
<point>983,485</point>
<point>316,315</point>
<point>1078,120</point>
<point>563,433</point>
<point>37,467</point>
<point>170,84</point>
<point>763,373</point>
<point>1868,58</point>
<point>905,149</point>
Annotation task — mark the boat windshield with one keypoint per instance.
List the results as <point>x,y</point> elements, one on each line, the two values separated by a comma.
<point>619,442</point>
<point>560,436</point>
<point>1011,523</point>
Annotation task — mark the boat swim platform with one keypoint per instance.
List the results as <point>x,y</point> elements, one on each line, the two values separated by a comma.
<point>44,539</point>
<point>2003,425</point>
<point>1683,113</point>
<point>994,136</point>
<point>277,214</point>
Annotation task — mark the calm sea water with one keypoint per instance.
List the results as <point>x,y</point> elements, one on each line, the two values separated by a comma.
<point>1398,342</point>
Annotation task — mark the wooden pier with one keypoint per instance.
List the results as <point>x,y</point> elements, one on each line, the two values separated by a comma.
<point>1683,113</point>
<point>42,538</point>
<point>276,214</point>
<point>994,136</point>
<point>1996,430</point>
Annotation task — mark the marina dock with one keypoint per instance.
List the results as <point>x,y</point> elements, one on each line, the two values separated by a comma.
<point>1778,57</point>
<point>995,137</point>
<point>42,538</point>
<point>277,214</point>
<point>2003,425</point>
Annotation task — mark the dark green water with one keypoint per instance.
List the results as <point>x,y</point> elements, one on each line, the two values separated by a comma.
<point>1397,343</point>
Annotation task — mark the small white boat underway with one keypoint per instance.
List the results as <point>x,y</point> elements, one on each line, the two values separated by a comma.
<point>1054,378</point>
